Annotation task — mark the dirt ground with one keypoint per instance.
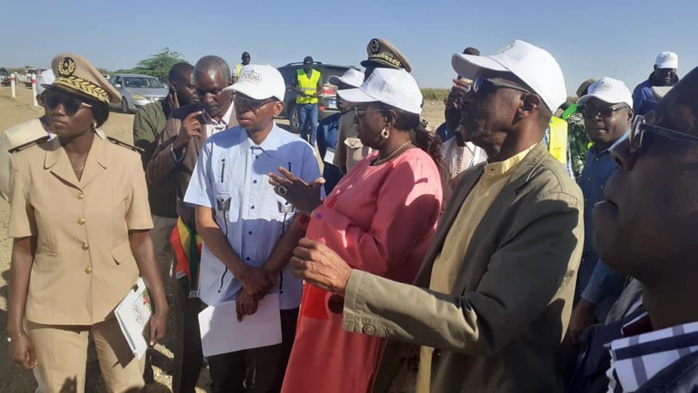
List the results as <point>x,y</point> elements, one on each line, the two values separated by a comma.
<point>12,378</point>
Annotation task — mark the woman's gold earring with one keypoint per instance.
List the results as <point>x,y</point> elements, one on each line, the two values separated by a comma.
<point>385,133</point>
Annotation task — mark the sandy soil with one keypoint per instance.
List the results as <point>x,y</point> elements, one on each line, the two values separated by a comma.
<point>12,378</point>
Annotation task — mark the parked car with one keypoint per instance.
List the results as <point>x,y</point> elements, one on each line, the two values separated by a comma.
<point>28,75</point>
<point>137,90</point>
<point>4,77</point>
<point>327,102</point>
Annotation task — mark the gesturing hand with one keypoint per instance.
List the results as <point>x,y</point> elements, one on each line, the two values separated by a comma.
<point>303,196</point>
<point>191,127</point>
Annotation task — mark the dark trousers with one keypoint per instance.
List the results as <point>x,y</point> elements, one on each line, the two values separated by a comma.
<point>188,355</point>
<point>228,370</point>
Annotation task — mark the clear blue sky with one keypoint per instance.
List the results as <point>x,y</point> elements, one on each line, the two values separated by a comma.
<point>618,38</point>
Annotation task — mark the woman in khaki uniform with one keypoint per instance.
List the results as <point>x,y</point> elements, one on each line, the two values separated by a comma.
<point>80,222</point>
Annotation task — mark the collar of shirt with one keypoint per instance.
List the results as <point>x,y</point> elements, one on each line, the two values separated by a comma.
<point>642,353</point>
<point>270,145</point>
<point>618,141</point>
<point>497,169</point>
<point>213,126</point>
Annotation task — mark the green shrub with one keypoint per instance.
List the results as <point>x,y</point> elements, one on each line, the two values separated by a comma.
<point>435,94</point>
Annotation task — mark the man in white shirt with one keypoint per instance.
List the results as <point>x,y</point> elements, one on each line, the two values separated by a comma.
<point>241,220</point>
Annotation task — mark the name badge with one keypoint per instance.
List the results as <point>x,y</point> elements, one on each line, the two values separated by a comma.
<point>329,155</point>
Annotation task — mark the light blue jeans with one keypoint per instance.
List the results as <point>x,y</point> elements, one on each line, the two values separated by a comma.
<point>308,113</point>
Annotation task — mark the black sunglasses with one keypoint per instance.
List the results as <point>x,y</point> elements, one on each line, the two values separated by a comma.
<point>483,82</point>
<point>641,129</point>
<point>71,104</point>
<point>246,103</point>
<point>600,113</point>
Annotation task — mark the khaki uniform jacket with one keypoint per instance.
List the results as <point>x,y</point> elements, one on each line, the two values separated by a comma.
<point>163,163</point>
<point>83,264</point>
<point>500,329</point>
<point>11,138</point>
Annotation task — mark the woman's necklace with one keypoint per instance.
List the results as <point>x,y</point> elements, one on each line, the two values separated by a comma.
<point>79,170</point>
<point>391,155</point>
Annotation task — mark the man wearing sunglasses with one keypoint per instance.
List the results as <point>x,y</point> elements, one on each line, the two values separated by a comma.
<point>645,227</point>
<point>241,220</point>
<point>23,133</point>
<point>491,303</point>
<point>608,115</point>
<point>178,149</point>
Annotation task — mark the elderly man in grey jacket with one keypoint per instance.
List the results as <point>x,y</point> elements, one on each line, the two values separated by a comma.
<point>491,303</point>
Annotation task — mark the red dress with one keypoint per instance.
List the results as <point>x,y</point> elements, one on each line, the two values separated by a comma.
<point>379,219</point>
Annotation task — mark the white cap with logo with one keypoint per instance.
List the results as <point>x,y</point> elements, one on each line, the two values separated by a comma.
<point>351,77</point>
<point>394,87</point>
<point>667,60</point>
<point>259,82</point>
<point>536,67</point>
<point>612,91</point>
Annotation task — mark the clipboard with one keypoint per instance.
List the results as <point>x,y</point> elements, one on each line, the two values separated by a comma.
<point>133,314</point>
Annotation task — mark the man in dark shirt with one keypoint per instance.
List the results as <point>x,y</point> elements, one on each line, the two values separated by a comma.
<point>608,114</point>
<point>664,74</point>
<point>148,124</point>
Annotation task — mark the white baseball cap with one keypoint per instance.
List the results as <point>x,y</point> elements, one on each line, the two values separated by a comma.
<point>396,88</point>
<point>45,80</point>
<point>667,60</point>
<point>259,82</point>
<point>351,77</point>
<point>608,90</point>
<point>536,67</point>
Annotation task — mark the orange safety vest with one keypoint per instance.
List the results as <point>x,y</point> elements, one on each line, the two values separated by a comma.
<point>308,85</point>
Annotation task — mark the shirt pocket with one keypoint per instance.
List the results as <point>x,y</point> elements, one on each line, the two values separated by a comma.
<point>46,263</point>
<point>122,253</point>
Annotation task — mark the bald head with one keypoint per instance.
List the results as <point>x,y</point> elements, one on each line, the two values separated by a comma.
<point>678,110</point>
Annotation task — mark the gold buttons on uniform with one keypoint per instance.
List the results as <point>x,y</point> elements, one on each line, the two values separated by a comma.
<point>85,246</point>
<point>88,270</point>
<point>81,221</point>
<point>80,195</point>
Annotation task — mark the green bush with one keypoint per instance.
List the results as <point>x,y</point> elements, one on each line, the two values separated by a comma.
<point>435,94</point>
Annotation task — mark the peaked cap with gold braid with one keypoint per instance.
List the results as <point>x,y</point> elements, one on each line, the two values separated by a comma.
<point>76,74</point>
<point>384,53</point>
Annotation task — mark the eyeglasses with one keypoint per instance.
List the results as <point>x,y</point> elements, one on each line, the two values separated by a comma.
<point>71,105</point>
<point>640,130</point>
<point>600,113</point>
<point>245,103</point>
<point>483,82</point>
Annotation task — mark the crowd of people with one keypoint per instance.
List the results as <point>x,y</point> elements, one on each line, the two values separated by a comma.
<point>479,257</point>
